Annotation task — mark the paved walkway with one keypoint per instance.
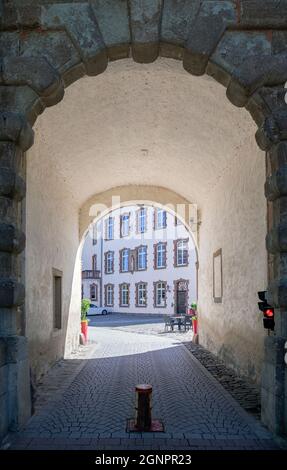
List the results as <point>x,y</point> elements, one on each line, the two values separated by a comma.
<point>91,412</point>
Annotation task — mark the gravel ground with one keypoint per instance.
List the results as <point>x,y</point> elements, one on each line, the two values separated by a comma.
<point>246,394</point>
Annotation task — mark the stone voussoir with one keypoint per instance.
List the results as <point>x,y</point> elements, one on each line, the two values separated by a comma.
<point>277,292</point>
<point>255,13</point>
<point>80,23</point>
<point>35,72</point>
<point>205,33</point>
<point>28,16</point>
<point>276,239</point>
<point>145,18</point>
<point>12,293</point>
<point>12,240</point>
<point>15,128</point>
<point>248,78</point>
<point>273,130</point>
<point>11,185</point>
<point>278,156</point>
<point>273,346</point>
<point>276,184</point>
<point>15,348</point>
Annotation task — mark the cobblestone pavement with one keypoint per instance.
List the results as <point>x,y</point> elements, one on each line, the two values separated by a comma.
<point>91,412</point>
<point>245,393</point>
<point>58,378</point>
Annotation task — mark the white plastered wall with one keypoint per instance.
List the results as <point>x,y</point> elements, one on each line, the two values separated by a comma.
<point>52,242</point>
<point>234,220</point>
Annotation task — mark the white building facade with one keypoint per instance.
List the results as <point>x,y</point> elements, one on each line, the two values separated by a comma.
<point>140,259</point>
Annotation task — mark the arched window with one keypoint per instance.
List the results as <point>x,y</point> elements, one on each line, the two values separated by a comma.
<point>109,295</point>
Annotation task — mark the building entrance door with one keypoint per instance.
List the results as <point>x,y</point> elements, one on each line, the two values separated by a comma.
<point>181,297</point>
<point>181,302</point>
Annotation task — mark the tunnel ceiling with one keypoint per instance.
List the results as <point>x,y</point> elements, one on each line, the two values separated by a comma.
<point>144,124</point>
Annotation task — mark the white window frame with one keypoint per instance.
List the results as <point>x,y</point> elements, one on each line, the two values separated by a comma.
<point>94,287</point>
<point>161,220</point>
<point>124,255</point>
<point>110,228</point>
<point>161,254</point>
<point>142,294</point>
<point>109,294</point>
<point>125,225</point>
<point>94,262</point>
<point>160,289</point>
<point>142,220</point>
<point>181,249</point>
<point>95,234</point>
<point>124,293</point>
<point>110,262</point>
<point>142,258</point>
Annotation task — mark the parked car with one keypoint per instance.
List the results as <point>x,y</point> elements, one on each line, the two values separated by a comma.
<point>95,310</point>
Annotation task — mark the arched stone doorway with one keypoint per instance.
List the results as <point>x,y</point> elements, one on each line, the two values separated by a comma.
<point>49,51</point>
<point>182,218</point>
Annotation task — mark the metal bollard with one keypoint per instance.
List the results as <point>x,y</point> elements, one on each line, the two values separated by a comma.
<point>143,407</point>
<point>143,421</point>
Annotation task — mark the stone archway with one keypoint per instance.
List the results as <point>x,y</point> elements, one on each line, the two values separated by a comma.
<point>106,203</point>
<point>93,210</point>
<point>240,44</point>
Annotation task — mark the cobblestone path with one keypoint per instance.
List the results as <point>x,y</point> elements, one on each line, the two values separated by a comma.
<point>92,411</point>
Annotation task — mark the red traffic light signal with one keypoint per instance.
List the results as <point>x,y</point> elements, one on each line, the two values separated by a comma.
<point>268,311</point>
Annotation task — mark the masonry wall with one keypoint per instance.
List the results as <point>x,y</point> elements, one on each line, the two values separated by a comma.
<point>234,219</point>
<point>52,242</point>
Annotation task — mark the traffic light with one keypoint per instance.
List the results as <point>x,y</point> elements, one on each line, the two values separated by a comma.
<point>268,311</point>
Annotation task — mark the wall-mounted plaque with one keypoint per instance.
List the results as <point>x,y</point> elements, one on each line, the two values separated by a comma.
<point>217,276</point>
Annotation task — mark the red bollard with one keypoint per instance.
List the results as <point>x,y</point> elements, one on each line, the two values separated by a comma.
<point>143,407</point>
<point>143,421</point>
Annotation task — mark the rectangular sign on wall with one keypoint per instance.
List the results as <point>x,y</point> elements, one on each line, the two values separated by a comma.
<point>217,276</point>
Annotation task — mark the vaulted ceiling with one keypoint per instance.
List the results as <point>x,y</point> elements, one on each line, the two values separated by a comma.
<point>144,124</point>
